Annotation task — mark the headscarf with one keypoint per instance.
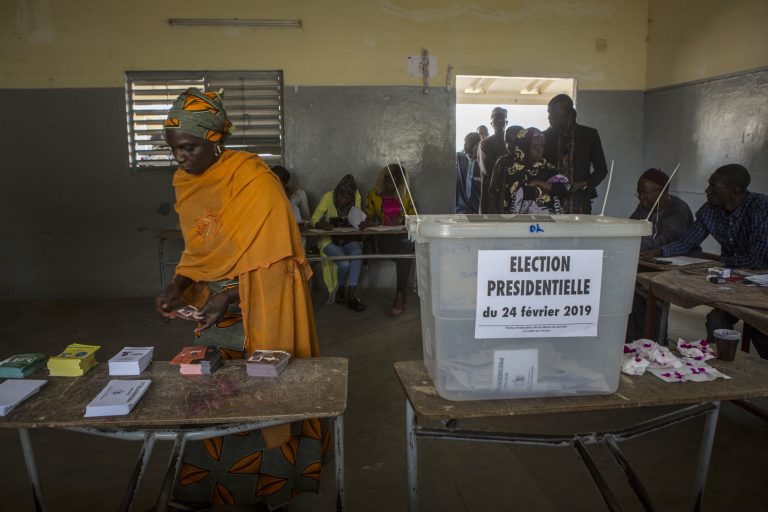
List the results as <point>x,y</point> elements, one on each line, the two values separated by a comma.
<point>200,114</point>
<point>655,176</point>
<point>346,185</point>
<point>523,141</point>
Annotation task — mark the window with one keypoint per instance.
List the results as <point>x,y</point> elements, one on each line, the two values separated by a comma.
<point>253,100</point>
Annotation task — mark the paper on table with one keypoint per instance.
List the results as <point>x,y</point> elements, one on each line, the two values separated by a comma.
<point>117,398</point>
<point>384,228</point>
<point>646,354</point>
<point>680,261</point>
<point>356,216</point>
<point>761,280</point>
<point>13,392</point>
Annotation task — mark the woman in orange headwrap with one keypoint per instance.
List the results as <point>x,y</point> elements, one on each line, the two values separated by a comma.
<point>243,265</point>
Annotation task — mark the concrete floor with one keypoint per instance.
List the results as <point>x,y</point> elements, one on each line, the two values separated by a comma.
<point>84,473</point>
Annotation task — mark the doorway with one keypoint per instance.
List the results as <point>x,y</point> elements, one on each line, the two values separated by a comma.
<point>525,98</point>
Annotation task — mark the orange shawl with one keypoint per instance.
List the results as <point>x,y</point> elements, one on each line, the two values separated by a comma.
<point>237,222</point>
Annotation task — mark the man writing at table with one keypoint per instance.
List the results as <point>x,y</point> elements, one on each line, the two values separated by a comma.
<point>736,218</point>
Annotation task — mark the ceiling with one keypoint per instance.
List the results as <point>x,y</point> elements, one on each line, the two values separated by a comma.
<point>502,90</point>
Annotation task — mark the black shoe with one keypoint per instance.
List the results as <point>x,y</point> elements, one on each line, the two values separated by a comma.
<point>341,296</point>
<point>355,305</point>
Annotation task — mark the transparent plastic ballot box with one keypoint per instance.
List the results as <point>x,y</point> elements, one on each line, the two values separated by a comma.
<point>517,306</point>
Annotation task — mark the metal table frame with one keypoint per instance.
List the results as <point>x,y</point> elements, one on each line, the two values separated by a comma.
<point>578,442</point>
<point>149,437</point>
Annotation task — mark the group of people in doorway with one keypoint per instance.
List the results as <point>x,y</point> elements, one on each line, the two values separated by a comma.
<point>518,170</point>
<point>525,170</point>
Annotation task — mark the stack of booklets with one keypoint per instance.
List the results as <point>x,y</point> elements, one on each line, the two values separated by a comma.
<point>21,365</point>
<point>74,361</point>
<point>197,360</point>
<point>13,392</point>
<point>117,398</point>
<point>267,363</point>
<point>131,361</point>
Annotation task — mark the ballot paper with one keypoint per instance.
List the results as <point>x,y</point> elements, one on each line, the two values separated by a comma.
<point>267,363</point>
<point>356,216</point>
<point>646,355</point>
<point>117,398</point>
<point>761,280</point>
<point>22,365</point>
<point>384,228</point>
<point>131,361</point>
<point>679,261</point>
<point>522,371</point>
<point>73,361</point>
<point>13,392</point>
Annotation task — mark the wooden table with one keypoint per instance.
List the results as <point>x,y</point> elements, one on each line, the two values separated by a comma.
<point>749,379</point>
<point>182,408</point>
<point>689,288</point>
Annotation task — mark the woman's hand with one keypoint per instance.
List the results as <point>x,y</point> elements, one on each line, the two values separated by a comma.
<point>170,298</point>
<point>216,307</point>
<point>324,224</point>
<point>364,224</point>
<point>543,185</point>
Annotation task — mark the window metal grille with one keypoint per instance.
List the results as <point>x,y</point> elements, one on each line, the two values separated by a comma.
<point>253,101</point>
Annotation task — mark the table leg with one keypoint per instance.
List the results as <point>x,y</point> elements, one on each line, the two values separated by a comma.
<point>745,339</point>
<point>138,472</point>
<point>411,457</point>
<point>338,441</point>
<point>172,472</point>
<point>29,459</point>
<point>650,314</point>
<point>705,454</point>
<point>594,473</point>
<point>160,250</point>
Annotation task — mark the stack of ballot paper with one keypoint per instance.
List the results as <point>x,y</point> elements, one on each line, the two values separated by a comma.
<point>21,365</point>
<point>117,398</point>
<point>75,361</point>
<point>13,392</point>
<point>197,360</point>
<point>267,363</point>
<point>131,361</point>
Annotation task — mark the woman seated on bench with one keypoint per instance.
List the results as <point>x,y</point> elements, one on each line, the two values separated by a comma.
<point>384,208</point>
<point>341,276</point>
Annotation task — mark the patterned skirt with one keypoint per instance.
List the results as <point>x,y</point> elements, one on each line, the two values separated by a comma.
<point>238,468</point>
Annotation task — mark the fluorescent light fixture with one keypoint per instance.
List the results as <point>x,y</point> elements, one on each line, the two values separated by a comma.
<point>177,22</point>
<point>530,92</point>
<point>474,90</point>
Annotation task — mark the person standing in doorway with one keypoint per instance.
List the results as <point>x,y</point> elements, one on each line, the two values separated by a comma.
<point>491,148</point>
<point>493,195</point>
<point>576,152</point>
<point>468,176</point>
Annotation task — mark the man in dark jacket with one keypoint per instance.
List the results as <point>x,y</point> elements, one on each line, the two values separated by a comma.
<point>574,149</point>
<point>491,148</point>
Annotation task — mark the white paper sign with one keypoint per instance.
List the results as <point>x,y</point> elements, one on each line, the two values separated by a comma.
<point>538,294</point>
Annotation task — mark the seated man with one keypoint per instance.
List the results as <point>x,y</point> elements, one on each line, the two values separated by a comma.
<point>671,218</point>
<point>736,218</point>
